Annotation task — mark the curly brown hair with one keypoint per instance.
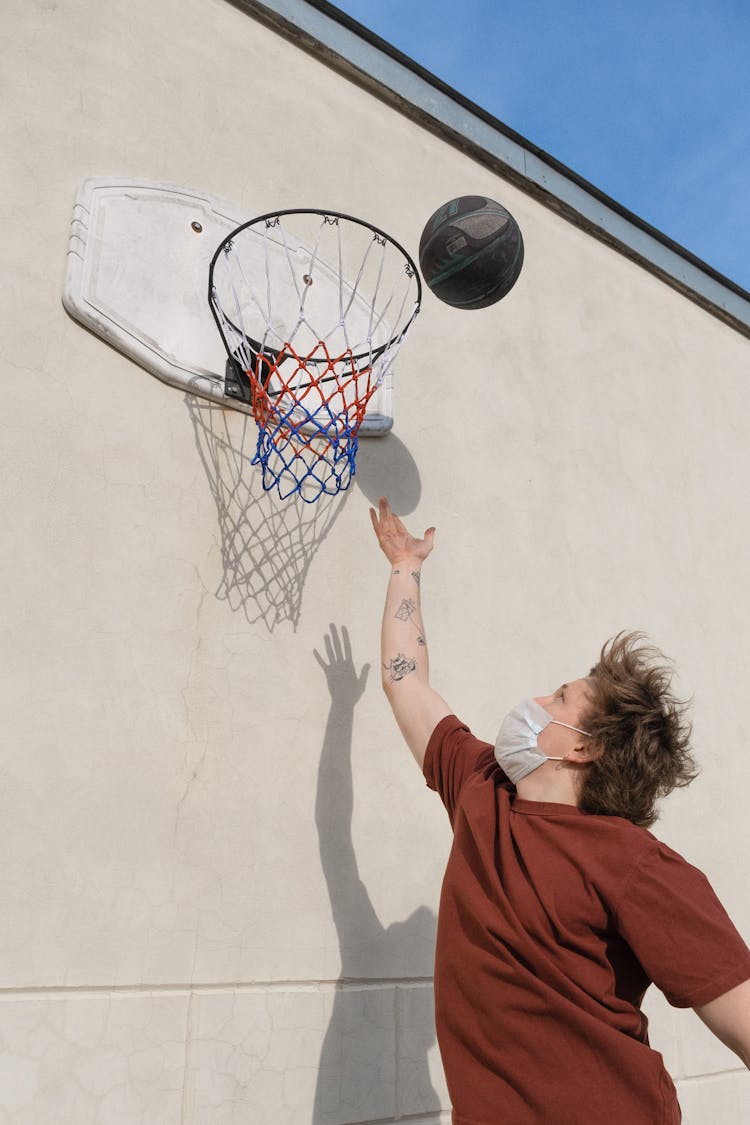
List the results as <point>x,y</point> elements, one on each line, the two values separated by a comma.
<point>639,731</point>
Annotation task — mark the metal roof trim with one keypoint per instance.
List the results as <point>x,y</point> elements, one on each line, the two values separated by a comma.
<point>349,47</point>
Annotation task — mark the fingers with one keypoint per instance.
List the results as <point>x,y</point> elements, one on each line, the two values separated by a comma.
<point>336,643</point>
<point>347,644</point>
<point>391,533</point>
<point>338,650</point>
<point>389,521</point>
<point>383,519</point>
<point>386,512</point>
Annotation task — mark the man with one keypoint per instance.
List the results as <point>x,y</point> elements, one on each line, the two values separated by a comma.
<point>558,907</point>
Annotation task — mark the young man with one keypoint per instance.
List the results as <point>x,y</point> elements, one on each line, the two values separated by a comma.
<point>558,907</point>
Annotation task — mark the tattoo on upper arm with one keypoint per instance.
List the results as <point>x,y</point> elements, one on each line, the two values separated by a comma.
<point>406,609</point>
<point>421,640</point>
<point>400,666</point>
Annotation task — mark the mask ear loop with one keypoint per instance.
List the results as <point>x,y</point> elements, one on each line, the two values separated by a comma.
<point>557,723</point>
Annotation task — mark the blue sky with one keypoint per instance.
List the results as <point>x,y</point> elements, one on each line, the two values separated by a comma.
<point>650,101</point>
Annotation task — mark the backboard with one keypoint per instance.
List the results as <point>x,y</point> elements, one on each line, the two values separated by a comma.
<point>137,275</point>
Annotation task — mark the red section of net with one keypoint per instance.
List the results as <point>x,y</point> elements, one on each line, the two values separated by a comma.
<point>313,400</point>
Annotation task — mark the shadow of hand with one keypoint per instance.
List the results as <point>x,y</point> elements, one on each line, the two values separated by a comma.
<point>344,684</point>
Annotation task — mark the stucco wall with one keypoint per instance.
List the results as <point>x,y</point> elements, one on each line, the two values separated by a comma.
<point>219,885</point>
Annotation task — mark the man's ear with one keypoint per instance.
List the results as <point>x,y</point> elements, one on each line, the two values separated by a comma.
<point>585,754</point>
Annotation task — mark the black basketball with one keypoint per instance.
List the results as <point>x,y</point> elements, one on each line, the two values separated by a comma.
<point>471,252</point>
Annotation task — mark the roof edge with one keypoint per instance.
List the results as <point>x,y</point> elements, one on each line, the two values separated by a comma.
<point>347,46</point>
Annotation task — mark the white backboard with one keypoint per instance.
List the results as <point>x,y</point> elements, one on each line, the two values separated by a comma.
<point>137,276</point>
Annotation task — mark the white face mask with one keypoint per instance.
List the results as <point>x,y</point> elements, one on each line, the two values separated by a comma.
<point>516,749</point>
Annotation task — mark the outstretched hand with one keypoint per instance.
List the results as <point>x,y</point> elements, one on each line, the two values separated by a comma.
<point>395,541</point>
<point>343,681</point>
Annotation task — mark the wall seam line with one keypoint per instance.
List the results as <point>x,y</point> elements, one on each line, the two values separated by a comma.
<point>335,984</point>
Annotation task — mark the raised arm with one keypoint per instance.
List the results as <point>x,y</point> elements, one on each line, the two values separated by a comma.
<point>405,664</point>
<point>729,1019</point>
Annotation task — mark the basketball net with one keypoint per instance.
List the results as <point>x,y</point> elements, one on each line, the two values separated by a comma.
<point>313,308</point>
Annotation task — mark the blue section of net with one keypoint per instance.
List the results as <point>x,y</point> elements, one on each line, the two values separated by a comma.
<point>284,470</point>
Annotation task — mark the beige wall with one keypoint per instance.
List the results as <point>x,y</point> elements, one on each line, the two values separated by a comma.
<point>186,878</point>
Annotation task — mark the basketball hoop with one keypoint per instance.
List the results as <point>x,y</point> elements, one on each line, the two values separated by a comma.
<point>312,307</point>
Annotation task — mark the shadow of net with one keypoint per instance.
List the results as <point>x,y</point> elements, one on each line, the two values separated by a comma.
<point>267,544</point>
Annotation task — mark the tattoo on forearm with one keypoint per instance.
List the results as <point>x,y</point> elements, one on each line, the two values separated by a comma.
<point>416,576</point>
<point>400,666</point>
<point>406,609</point>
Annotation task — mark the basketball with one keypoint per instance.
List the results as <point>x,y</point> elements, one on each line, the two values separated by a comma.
<point>471,252</point>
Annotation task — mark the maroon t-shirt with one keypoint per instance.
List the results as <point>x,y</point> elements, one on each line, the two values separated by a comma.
<point>553,923</point>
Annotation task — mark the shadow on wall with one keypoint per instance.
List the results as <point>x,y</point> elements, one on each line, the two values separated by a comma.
<point>385,467</point>
<point>374,1060</point>
<point>267,545</point>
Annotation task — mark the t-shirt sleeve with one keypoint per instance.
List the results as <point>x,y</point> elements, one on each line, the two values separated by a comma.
<point>453,756</point>
<point>679,931</point>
